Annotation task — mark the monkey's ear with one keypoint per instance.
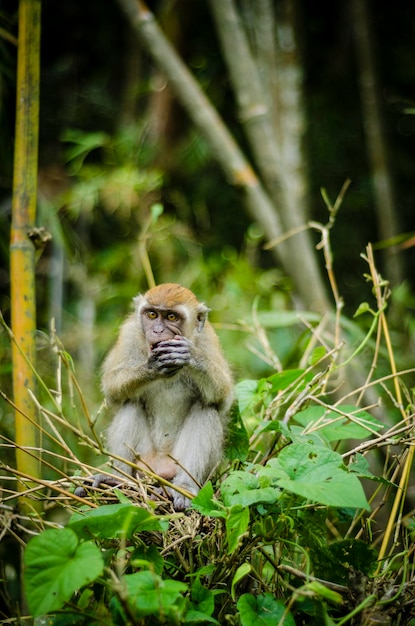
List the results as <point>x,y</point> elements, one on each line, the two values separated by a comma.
<point>202,313</point>
<point>138,302</point>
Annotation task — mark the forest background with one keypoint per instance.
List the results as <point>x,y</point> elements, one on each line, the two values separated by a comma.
<point>263,203</point>
<point>115,140</point>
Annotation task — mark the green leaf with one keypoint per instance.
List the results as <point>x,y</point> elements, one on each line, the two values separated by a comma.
<point>111,521</point>
<point>282,380</point>
<point>362,308</point>
<point>147,557</point>
<point>237,440</point>
<point>317,474</point>
<point>246,394</point>
<point>205,504</point>
<point>263,610</point>
<point>149,594</point>
<point>202,599</point>
<point>334,427</point>
<point>317,354</point>
<point>236,526</point>
<point>360,466</point>
<point>242,571</point>
<point>56,565</point>
<point>244,489</point>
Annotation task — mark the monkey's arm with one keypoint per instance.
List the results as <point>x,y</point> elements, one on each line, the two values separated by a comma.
<point>127,367</point>
<point>131,365</point>
<point>203,360</point>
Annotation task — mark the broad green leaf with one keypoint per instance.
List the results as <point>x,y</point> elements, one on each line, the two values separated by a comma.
<point>282,380</point>
<point>244,489</point>
<point>242,571</point>
<point>115,520</point>
<point>147,557</point>
<point>149,594</point>
<point>360,466</point>
<point>236,526</point>
<point>267,426</point>
<point>335,427</point>
<point>56,565</point>
<point>202,599</point>
<point>246,394</point>
<point>205,504</point>
<point>317,474</point>
<point>263,610</point>
<point>237,440</point>
<point>317,354</point>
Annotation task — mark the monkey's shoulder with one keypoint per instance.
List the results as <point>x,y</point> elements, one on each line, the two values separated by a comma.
<point>130,338</point>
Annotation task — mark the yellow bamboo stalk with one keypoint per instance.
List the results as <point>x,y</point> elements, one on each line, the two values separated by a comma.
<point>22,251</point>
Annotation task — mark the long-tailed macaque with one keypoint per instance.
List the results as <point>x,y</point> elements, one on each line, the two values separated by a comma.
<point>171,389</point>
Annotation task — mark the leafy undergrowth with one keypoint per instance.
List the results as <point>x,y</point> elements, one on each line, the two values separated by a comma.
<point>310,520</point>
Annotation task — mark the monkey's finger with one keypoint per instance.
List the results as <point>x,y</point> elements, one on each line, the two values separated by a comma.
<point>167,372</point>
<point>173,357</point>
<point>175,344</point>
<point>166,347</point>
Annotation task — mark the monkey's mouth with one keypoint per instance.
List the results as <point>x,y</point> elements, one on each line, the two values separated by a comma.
<point>154,345</point>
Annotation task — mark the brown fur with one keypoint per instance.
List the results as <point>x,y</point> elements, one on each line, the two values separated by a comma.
<point>171,389</point>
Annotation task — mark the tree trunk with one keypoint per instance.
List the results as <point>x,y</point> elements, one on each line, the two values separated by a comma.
<point>277,147</point>
<point>376,145</point>
<point>297,257</point>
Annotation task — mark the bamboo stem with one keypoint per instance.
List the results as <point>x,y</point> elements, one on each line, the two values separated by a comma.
<point>22,251</point>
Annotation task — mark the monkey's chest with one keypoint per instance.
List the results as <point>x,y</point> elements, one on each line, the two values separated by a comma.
<point>166,405</point>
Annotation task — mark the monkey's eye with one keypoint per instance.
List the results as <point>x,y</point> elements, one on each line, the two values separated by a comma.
<point>172,317</point>
<point>151,315</point>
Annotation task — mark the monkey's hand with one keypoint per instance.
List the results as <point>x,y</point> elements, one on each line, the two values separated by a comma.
<point>169,356</point>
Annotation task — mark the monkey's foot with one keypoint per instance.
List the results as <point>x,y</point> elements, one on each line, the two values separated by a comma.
<point>96,481</point>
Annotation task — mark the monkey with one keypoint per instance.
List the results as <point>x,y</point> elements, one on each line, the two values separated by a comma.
<point>171,391</point>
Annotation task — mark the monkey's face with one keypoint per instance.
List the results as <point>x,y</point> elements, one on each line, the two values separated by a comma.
<point>169,312</point>
<point>160,325</point>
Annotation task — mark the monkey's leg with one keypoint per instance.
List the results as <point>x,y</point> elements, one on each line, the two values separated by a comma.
<point>198,449</point>
<point>128,437</point>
